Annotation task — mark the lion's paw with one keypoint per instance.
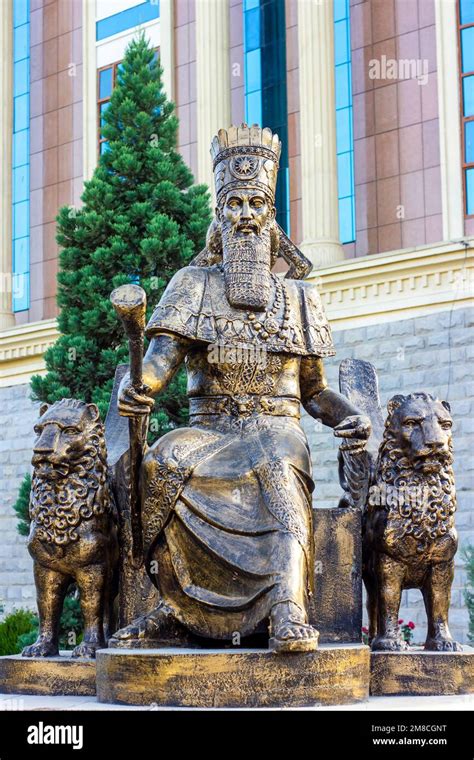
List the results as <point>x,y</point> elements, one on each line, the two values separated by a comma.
<point>442,645</point>
<point>41,648</point>
<point>87,649</point>
<point>387,644</point>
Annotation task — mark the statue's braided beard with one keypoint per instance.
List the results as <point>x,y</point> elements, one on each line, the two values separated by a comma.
<point>247,262</point>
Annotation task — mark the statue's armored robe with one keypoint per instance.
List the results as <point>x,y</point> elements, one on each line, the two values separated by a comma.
<point>227,500</point>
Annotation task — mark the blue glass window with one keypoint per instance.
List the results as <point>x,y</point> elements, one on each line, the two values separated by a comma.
<point>469,142</point>
<point>21,219</point>
<point>127,19</point>
<point>20,42</point>
<point>21,112</point>
<point>20,147</point>
<point>252,29</point>
<point>466,42</point>
<point>105,83</point>
<point>20,156</point>
<point>103,108</point>
<point>254,107</point>
<point>468,95</point>
<point>470,191</point>
<point>20,183</point>
<point>21,288</point>
<point>339,10</point>
<point>467,48</point>
<point>344,174</point>
<point>346,219</point>
<point>344,131</point>
<point>253,70</point>
<point>265,84</point>
<point>20,254</point>
<point>20,13</point>
<point>341,42</point>
<point>467,11</point>
<point>21,77</point>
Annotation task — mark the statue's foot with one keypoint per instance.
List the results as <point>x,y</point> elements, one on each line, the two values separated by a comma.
<point>86,649</point>
<point>289,630</point>
<point>152,626</point>
<point>388,644</point>
<point>442,644</point>
<point>136,630</point>
<point>43,647</point>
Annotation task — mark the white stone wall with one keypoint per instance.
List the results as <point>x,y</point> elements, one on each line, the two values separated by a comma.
<point>432,353</point>
<point>17,418</point>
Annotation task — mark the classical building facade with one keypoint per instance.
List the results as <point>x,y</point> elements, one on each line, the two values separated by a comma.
<point>374,102</point>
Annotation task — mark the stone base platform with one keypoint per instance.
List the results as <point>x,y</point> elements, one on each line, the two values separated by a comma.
<point>53,676</point>
<point>417,672</point>
<point>337,674</point>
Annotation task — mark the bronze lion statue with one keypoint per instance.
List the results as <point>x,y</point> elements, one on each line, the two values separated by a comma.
<point>409,538</point>
<point>404,484</point>
<point>73,536</point>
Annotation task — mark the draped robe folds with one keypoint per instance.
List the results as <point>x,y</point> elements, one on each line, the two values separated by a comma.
<point>227,500</point>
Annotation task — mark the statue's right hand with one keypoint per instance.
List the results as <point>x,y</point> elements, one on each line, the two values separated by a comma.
<point>131,402</point>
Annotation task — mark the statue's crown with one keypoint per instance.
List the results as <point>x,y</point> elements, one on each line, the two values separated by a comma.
<point>245,157</point>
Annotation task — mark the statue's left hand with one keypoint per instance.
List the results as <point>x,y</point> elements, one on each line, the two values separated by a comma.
<point>355,430</point>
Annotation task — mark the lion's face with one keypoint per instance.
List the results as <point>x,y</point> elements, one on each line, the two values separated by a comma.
<point>63,436</point>
<point>421,427</point>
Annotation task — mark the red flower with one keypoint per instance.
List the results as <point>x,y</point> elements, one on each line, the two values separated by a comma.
<point>411,625</point>
<point>364,629</point>
<point>400,622</point>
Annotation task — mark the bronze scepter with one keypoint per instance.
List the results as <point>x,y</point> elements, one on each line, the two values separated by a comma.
<point>129,302</point>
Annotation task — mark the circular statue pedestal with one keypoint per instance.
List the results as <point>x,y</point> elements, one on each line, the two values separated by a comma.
<point>53,676</point>
<point>332,675</point>
<point>417,672</point>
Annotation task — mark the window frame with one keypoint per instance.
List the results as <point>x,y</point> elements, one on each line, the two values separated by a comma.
<point>464,119</point>
<point>100,101</point>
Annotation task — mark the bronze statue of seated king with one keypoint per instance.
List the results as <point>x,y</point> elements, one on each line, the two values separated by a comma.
<point>226,502</point>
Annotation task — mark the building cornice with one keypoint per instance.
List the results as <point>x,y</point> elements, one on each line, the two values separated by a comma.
<point>398,285</point>
<point>356,292</point>
<point>22,349</point>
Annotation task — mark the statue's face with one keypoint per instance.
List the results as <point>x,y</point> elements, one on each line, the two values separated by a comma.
<point>62,434</point>
<point>245,219</point>
<point>423,430</point>
<point>247,211</point>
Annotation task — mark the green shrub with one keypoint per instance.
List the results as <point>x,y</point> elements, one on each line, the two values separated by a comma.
<point>22,506</point>
<point>71,622</point>
<point>20,628</point>
<point>15,625</point>
<point>468,555</point>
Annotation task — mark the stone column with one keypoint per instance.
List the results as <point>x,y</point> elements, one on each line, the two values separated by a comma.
<point>449,123</point>
<point>213,82</point>
<point>6,130</point>
<point>167,46</point>
<point>89,90</point>
<point>320,238</point>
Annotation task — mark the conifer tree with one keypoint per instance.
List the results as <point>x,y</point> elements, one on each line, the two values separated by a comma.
<point>141,220</point>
